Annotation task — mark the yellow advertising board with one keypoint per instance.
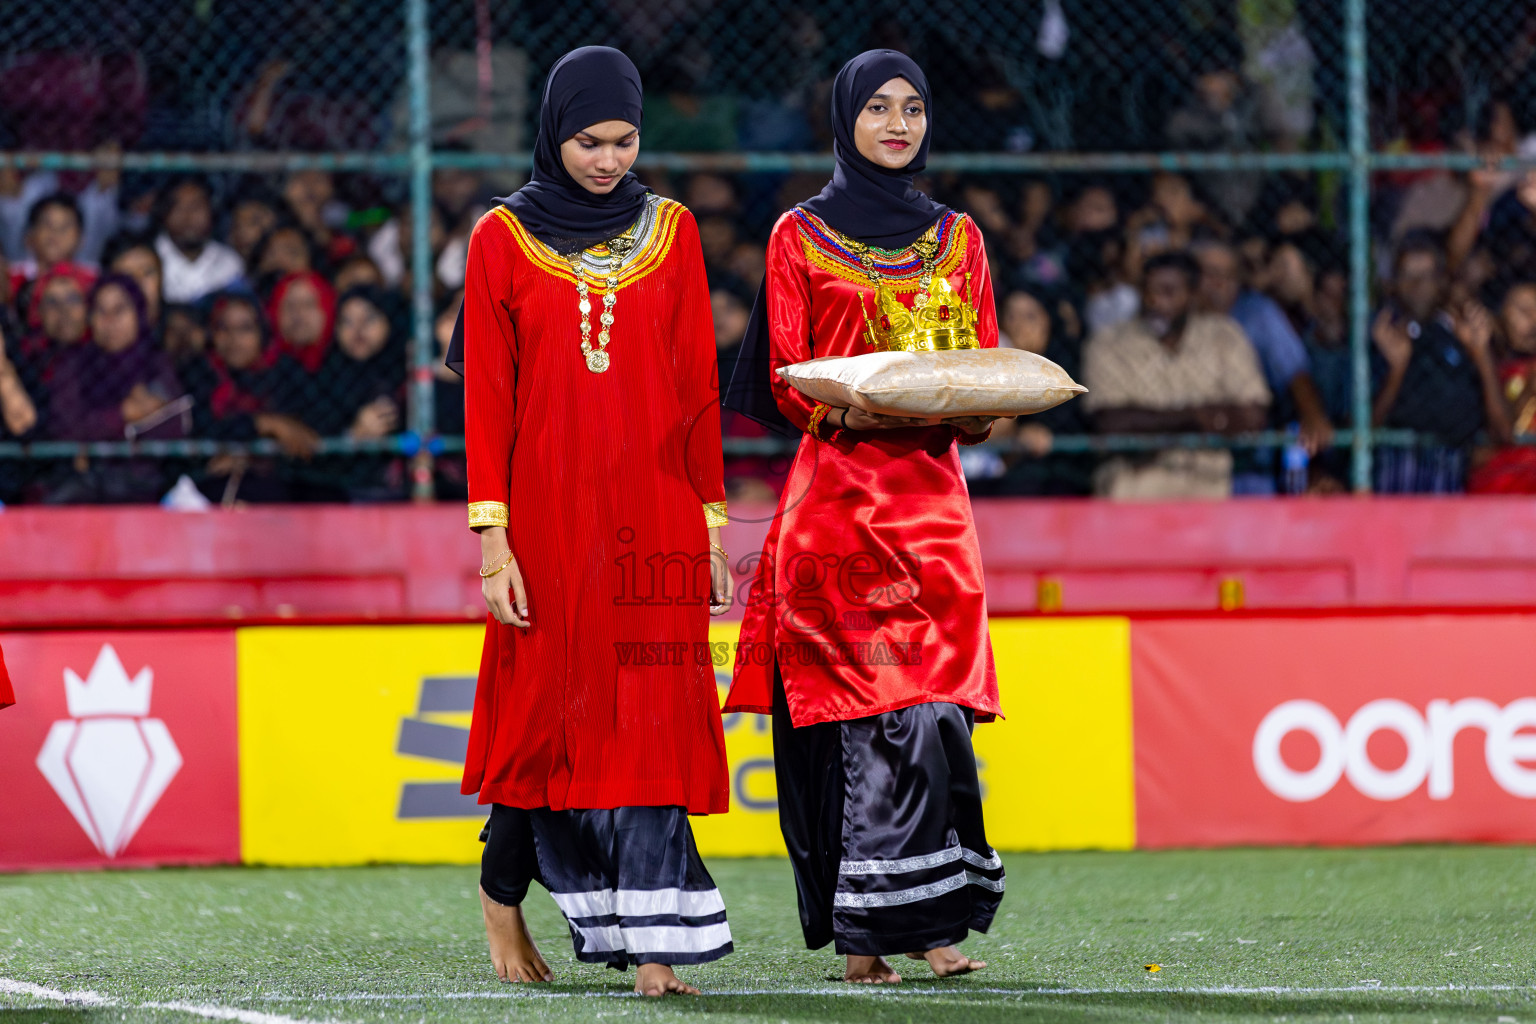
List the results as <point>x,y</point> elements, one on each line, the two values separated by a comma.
<point>352,740</point>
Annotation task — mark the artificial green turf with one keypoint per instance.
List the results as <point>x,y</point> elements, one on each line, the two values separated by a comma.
<point>291,942</point>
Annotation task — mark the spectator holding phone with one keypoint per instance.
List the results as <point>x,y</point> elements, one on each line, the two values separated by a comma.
<point>1433,372</point>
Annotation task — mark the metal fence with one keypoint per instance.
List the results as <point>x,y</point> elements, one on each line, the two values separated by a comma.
<point>1255,115</point>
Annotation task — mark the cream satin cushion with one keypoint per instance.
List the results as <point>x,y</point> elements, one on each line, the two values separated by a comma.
<point>936,385</point>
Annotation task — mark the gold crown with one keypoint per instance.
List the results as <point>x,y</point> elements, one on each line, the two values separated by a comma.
<point>938,321</point>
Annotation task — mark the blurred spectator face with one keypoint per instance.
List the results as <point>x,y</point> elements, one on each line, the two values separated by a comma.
<point>749,262</point>
<point>114,321</point>
<point>237,334</point>
<point>600,155</point>
<point>1026,322</point>
<point>891,126</point>
<point>1174,199</point>
<point>1290,278</point>
<point>62,309</point>
<point>286,252</point>
<point>710,193</point>
<point>359,270</point>
<point>55,236</point>
<point>1526,190</point>
<point>717,237</point>
<point>185,335</point>
<point>307,192</point>
<point>1218,90</point>
<point>1221,278</point>
<point>730,315</point>
<point>987,207</point>
<point>361,329</point>
<point>1503,131</point>
<point>300,317</point>
<point>1035,204</point>
<point>251,220</point>
<point>1094,210</point>
<point>1517,316</point>
<point>1294,217</point>
<point>1165,298</point>
<point>141,264</point>
<point>455,188</point>
<point>189,219</point>
<point>1418,283</point>
<point>1330,308</point>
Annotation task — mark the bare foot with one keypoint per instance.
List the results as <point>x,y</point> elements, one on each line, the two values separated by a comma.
<point>870,970</point>
<point>947,961</point>
<point>513,953</point>
<point>658,980</point>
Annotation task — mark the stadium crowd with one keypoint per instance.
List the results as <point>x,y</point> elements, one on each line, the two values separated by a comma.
<point>238,307</point>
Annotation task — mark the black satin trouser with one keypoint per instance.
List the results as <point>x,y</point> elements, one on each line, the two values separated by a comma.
<point>629,881</point>
<point>882,818</point>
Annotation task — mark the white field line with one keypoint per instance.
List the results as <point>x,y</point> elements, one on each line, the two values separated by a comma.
<point>25,989</point>
<point>894,991</point>
<point>11,987</point>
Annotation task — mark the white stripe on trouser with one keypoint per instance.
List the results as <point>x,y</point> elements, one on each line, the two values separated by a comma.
<point>610,938</point>
<point>918,892</point>
<point>921,862</point>
<point>640,902</point>
<point>677,939</point>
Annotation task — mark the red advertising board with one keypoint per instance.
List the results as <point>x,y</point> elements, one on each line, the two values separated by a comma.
<point>120,750</point>
<point>1352,730</point>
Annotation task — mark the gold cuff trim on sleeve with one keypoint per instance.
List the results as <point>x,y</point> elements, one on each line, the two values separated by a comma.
<point>487,513</point>
<point>714,513</point>
<point>814,426</point>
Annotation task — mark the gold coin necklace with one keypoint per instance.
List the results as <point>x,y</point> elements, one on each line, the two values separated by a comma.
<point>597,358</point>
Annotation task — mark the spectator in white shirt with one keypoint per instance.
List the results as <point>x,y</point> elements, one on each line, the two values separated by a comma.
<point>193,264</point>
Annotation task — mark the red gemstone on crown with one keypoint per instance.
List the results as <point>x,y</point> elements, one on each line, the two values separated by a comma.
<point>885,323</point>
<point>943,312</point>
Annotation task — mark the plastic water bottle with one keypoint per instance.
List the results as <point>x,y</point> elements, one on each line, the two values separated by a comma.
<point>1295,461</point>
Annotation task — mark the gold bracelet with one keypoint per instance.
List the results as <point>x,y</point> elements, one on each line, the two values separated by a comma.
<point>487,575</point>
<point>720,549</point>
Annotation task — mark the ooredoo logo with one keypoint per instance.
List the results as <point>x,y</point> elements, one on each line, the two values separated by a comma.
<point>1509,747</point>
<point>109,761</point>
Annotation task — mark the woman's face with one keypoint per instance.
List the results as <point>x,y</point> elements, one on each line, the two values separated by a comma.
<point>287,253</point>
<point>252,219</point>
<point>143,266</point>
<point>891,125</point>
<point>237,335</point>
<point>1518,315</point>
<point>361,330</point>
<point>599,156</point>
<point>114,321</point>
<point>1290,279</point>
<point>1026,322</point>
<point>300,317</point>
<point>62,308</point>
<point>55,236</point>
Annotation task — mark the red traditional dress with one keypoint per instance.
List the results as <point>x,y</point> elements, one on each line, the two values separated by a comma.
<point>7,695</point>
<point>870,590</point>
<point>606,482</point>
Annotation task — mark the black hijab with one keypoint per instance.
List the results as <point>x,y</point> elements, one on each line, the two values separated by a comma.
<point>869,203</point>
<point>589,85</point>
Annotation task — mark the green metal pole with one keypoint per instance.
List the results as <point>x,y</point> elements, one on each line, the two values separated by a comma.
<point>422,421</point>
<point>1359,239</point>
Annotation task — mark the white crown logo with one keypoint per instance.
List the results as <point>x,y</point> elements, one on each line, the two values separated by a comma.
<point>108,690</point>
<point>109,762</point>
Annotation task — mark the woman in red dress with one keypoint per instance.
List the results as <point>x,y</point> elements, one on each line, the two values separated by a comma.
<point>865,633</point>
<point>592,433</point>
